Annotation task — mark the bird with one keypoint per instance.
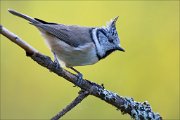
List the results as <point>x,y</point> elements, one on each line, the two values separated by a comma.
<point>74,45</point>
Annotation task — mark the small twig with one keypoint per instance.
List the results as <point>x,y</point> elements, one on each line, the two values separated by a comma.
<point>137,110</point>
<point>76,101</point>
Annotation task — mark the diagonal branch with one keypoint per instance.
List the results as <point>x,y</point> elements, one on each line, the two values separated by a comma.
<point>77,100</point>
<point>137,110</point>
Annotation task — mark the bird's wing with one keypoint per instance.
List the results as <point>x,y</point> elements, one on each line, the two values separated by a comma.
<point>72,35</point>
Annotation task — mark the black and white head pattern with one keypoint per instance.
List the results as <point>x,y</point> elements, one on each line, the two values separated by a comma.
<point>107,39</point>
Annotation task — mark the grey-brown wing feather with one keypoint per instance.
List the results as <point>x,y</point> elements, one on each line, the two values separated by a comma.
<point>72,35</point>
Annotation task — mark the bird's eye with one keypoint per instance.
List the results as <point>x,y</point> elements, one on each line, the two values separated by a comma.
<point>110,39</point>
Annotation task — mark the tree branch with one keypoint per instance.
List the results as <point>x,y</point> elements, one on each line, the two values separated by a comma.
<point>137,110</point>
<point>77,100</point>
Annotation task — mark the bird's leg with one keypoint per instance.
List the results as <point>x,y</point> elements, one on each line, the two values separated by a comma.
<point>58,66</point>
<point>80,76</point>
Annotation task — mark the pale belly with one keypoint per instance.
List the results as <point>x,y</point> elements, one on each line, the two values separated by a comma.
<point>72,56</point>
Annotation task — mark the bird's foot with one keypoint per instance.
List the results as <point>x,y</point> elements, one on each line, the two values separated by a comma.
<point>79,77</point>
<point>56,62</point>
<point>57,65</point>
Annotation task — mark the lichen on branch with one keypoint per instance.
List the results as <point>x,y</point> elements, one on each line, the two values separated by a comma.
<point>137,110</point>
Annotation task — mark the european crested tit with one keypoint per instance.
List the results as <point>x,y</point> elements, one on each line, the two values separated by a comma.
<point>74,45</point>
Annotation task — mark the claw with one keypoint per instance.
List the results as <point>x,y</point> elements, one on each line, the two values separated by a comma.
<point>79,75</point>
<point>58,66</point>
<point>79,81</point>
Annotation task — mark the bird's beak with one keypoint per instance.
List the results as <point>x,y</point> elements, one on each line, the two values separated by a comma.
<point>120,49</point>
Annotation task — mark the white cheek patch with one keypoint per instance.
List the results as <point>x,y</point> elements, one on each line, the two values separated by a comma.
<point>96,41</point>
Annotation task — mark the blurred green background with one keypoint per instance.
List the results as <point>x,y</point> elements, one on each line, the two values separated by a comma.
<point>148,70</point>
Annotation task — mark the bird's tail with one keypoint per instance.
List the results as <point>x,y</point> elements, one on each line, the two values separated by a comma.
<point>30,19</point>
